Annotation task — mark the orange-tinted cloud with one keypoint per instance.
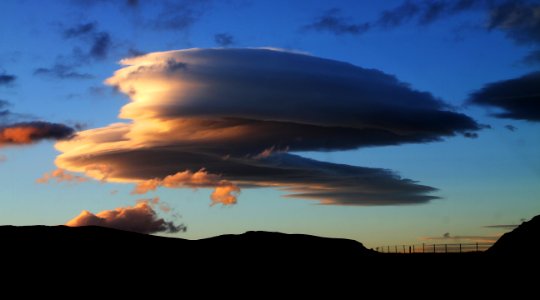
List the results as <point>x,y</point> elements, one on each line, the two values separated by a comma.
<point>227,110</point>
<point>445,238</point>
<point>141,218</point>
<point>225,191</point>
<point>60,175</point>
<point>29,132</point>
<point>225,194</point>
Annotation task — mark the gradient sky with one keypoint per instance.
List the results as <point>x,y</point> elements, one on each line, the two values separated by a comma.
<point>56,55</point>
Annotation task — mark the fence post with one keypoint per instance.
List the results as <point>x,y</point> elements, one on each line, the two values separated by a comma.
<point>476,246</point>
<point>445,248</point>
<point>459,248</point>
<point>410,250</point>
<point>423,247</point>
<point>434,251</point>
<point>396,248</point>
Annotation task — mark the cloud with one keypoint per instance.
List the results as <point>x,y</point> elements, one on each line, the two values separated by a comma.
<point>224,39</point>
<point>3,158</point>
<point>225,192</point>
<point>425,12</point>
<point>62,71</point>
<point>503,226</point>
<point>60,175</point>
<point>219,109</point>
<point>99,43</point>
<point>510,127</point>
<point>333,22</point>
<point>6,79</point>
<point>141,218</point>
<point>519,20</point>
<point>179,15</point>
<point>461,238</point>
<point>532,58</point>
<point>30,132</point>
<point>517,98</point>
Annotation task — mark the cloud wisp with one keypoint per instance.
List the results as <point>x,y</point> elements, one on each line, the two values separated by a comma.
<point>60,175</point>
<point>6,79</point>
<point>99,43</point>
<point>141,218</point>
<point>217,110</point>
<point>332,21</point>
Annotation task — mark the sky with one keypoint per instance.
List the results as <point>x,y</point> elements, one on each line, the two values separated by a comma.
<point>387,122</point>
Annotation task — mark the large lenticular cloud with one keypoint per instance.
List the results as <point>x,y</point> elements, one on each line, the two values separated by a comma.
<point>233,112</point>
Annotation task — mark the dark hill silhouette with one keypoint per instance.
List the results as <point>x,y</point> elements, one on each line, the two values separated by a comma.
<point>100,254</point>
<point>524,240</point>
<point>99,243</point>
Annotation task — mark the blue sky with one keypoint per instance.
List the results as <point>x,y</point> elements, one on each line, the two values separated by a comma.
<point>488,180</point>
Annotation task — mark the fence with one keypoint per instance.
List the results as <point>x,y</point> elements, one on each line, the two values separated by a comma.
<point>434,248</point>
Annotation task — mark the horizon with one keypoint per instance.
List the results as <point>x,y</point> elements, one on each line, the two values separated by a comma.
<point>392,123</point>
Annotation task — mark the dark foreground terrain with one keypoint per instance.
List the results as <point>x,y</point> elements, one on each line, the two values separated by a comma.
<point>258,256</point>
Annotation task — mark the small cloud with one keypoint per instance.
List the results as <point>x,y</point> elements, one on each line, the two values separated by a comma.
<point>60,175</point>
<point>141,218</point>
<point>224,39</point>
<point>62,71</point>
<point>225,194</point>
<point>179,15</point>
<point>510,127</point>
<point>463,238</point>
<point>99,43</point>
<point>532,58</point>
<point>30,132</point>
<point>503,226</point>
<point>333,22</point>
<point>80,30</point>
<point>470,135</point>
<point>6,79</point>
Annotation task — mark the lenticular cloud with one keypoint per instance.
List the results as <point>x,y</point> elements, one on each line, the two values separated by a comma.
<point>238,114</point>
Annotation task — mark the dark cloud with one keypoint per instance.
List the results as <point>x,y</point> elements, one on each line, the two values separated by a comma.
<point>141,218</point>
<point>333,22</point>
<point>503,226</point>
<point>510,127</point>
<point>88,3</point>
<point>30,132</point>
<point>7,116</point>
<point>518,98</point>
<point>470,238</point>
<point>4,104</point>
<point>80,30</point>
<point>425,12</point>
<point>99,43</point>
<point>228,110</point>
<point>519,20</point>
<point>6,79</point>
<point>224,39</point>
<point>134,52</point>
<point>179,15</point>
<point>62,71</point>
<point>532,58</point>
